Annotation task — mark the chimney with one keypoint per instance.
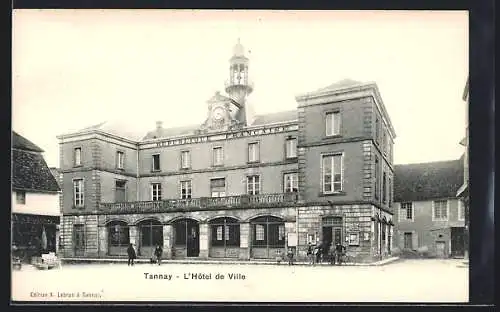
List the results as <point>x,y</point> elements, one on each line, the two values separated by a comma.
<point>159,124</point>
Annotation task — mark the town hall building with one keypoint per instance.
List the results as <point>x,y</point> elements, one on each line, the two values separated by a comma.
<point>238,185</point>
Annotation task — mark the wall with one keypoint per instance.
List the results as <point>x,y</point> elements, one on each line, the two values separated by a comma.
<point>422,226</point>
<point>107,185</point>
<point>106,159</point>
<point>37,203</point>
<point>235,151</point>
<point>270,181</point>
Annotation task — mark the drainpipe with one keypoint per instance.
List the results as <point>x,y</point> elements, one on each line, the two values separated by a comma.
<point>137,175</point>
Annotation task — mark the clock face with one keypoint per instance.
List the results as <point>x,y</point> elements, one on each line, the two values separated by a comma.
<point>218,113</point>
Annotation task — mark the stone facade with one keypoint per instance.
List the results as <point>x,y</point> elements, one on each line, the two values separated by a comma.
<point>122,194</point>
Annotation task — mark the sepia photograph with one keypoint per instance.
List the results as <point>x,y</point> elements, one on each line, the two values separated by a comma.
<point>240,156</point>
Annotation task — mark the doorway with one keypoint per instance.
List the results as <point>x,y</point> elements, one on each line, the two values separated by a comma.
<point>441,249</point>
<point>408,240</point>
<point>79,239</point>
<point>457,242</point>
<point>332,232</point>
<point>187,238</point>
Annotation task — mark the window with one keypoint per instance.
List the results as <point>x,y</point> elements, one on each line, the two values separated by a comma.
<point>156,191</point>
<point>390,191</point>
<point>156,162</point>
<point>253,185</point>
<point>384,142</point>
<point>253,152</point>
<point>218,156</point>
<point>354,239</point>
<point>218,187</point>
<point>186,189</point>
<point>225,233</point>
<point>461,210</point>
<point>291,182</point>
<point>120,191</point>
<point>185,160</point>
<point>332,173</point>
<point>259,232</point>
<point>406,211</point>
<point>440,212</point>
<point>384,188</point>
<point>120,159</point>
<point>78,192</point>
<point>78,156</point>
<point>377,174</point>
<point>21,197</point>
<point>333,123</point>
<point>291,148</point>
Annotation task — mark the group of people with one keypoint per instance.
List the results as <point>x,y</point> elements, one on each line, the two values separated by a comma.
<point>155,257</point>
<point>323,251</point>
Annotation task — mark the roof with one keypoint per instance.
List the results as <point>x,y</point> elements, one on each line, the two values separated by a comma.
<point>55,172</point>
<point>426,181</point>
<point>126,130</point>
<point>342,84</point>
<point>275,117</point>
<point>30,171</point>
<point>171,132</point>
<point>22,143</point>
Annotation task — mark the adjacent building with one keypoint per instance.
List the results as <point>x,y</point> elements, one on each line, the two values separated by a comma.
<point>35,201</point>
<point>237,185</point>
<point>463,191</point>
<point>427,212</point>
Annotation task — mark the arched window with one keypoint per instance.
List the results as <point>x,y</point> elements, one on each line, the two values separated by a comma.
<point>268,232</point>
<point>225,232</point>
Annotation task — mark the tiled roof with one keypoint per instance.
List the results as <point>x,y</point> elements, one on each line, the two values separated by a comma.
<point>275,117</point>
<point>30,171</point>
<point>425,181</point>
<point>22,143</point>
<point>55,173</point>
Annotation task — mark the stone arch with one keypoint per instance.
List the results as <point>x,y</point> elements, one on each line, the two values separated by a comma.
<point>212,218</point>
<point>147,218</point>
<point>259,215</point>
<point>181,217</point>
<point>116,220</point>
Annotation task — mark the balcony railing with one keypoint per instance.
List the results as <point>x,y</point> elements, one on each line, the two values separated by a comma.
<point>241,201</point>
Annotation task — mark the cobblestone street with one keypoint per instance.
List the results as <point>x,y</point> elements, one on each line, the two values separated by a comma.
<point>403,281</point>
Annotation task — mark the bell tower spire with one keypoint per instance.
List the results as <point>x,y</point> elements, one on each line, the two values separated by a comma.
<point>238,86</point>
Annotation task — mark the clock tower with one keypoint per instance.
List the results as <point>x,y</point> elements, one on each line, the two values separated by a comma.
<point>239,86</point>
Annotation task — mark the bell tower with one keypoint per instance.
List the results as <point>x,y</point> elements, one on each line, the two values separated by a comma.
<point>238,86</point>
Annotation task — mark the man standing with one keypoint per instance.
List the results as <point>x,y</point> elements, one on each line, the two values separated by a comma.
<point>131,254</point>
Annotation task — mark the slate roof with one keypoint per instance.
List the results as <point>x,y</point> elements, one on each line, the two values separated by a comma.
<point>29,170</point>
<point>21,142</point>
<point>426,181</point>
<point>127,130</point>
<point>275,117</point>
<point>171,132</point>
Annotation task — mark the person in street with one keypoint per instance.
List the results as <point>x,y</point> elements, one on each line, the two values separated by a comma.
<point>339,250</point>
<point>317,253</point>
<point>310,255</point>
<point>158,253</point>
<point>131,254</point>
<point>290,256</point>
<point>331,253</point>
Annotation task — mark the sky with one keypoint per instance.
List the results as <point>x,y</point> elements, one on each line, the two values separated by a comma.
<point>77,68</point>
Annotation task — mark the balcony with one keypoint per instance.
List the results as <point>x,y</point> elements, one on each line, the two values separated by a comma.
<point>202,203</point>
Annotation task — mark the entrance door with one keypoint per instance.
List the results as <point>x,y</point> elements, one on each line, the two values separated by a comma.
<point>408,240</point>
<point>327,235</point>
<point>79,239</point>
<point>457,241</point>
<point>440,249</point>
<point>192,244</point>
